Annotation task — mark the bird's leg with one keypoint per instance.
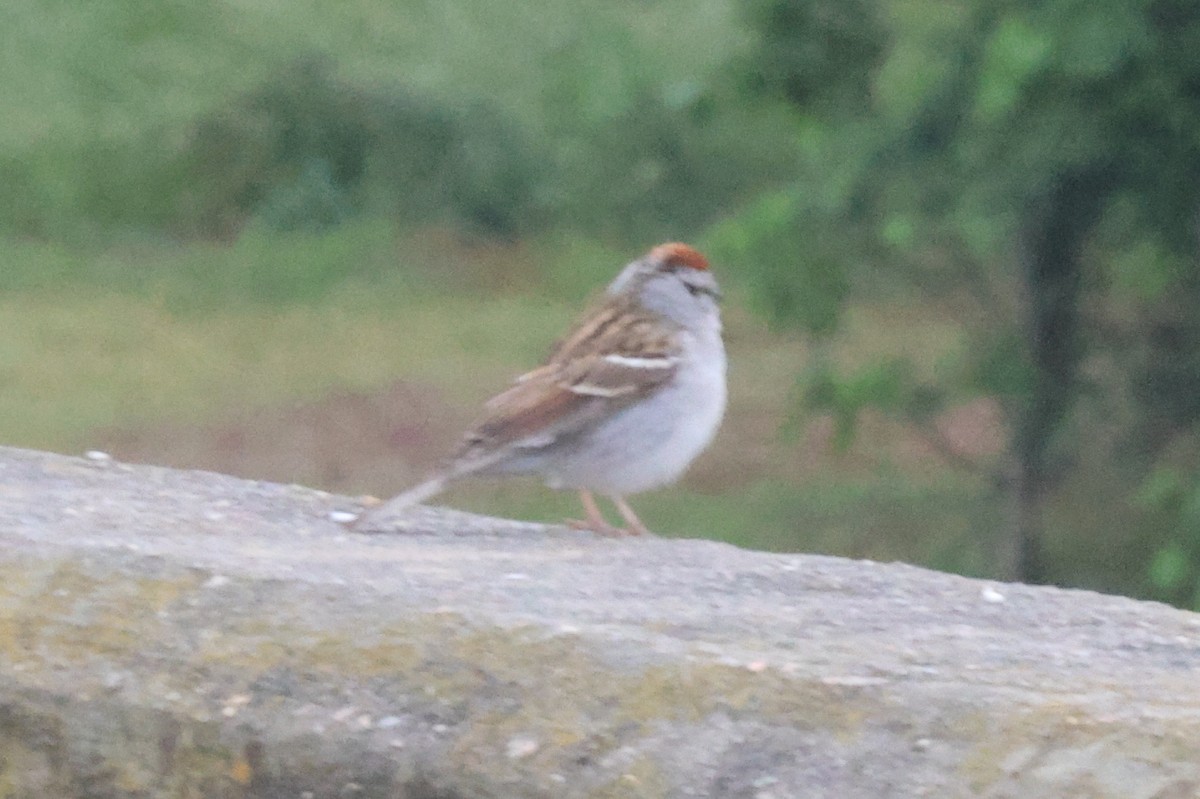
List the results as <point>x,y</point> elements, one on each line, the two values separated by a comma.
<point>595,519</point>
<point>636,527</point>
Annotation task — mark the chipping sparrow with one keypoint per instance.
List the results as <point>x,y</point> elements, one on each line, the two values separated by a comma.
<point>624,403</point>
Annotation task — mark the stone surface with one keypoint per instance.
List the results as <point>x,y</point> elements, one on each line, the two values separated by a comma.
<point>187,634</point>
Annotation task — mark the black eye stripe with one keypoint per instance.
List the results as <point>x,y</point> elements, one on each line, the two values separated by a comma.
<point>696,291</point>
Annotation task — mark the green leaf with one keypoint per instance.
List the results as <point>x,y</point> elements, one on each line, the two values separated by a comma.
<point>845,427</point>
<point>879,385</point>
<point>1015,52</point>
<point>739,237</point>
<point>1169,568</point>
<point>884,385</point>
<point>1159,490</point>
<point>1096,38</point>
<point>1001,367</point>
<point>1145,269</point>
<point>1189,514</point>
<point>899,231</point>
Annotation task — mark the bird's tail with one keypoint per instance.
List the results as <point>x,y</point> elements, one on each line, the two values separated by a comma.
<point>463,466</point>
<point>401,502</point>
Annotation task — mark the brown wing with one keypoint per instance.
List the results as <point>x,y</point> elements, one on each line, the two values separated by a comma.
<point>616,355</point>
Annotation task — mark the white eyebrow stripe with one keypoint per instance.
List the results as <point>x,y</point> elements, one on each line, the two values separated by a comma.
<point>635,362</point>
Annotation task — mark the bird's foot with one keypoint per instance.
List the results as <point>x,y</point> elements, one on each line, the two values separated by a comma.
<point>601,528</point>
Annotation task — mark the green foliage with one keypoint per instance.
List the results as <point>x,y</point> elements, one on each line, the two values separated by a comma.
<point>306,150</point>
<point>887,385</point>
<point>1164,370</point>
<point>1173,571</point>
<point>830,63</point>
<point>296,145</point>
<point>312,202</point>
<point>790,267</point>
<point>1020,162</point>
<point>309,149</point>
<point>1013,55</point>
<point>195,119</point>
<point>1000,367</point>
<point>670,163</point>
<point>1170,569</point>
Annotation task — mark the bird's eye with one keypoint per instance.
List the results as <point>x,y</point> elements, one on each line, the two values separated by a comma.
<point>695,291</point>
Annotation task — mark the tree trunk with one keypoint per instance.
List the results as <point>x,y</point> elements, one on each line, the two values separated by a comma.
<point>1054,236</point>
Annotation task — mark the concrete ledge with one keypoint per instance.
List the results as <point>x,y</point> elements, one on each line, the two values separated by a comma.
<point>185,634</point>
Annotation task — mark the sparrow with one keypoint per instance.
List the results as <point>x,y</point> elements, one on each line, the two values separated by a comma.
<point>623,404</point>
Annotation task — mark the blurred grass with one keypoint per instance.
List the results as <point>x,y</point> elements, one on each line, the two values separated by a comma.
<point>168,333</point>
<point>106,324</point>
<point>885,516</point>
<point>76,363</point>
<point>147,336</point>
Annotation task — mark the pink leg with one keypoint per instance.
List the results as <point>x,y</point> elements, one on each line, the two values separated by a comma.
<point>636,527</point>
<point>595,519</point>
